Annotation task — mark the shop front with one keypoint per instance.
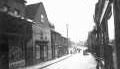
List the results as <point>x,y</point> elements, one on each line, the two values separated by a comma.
<point>41,51</point>
<point>16,53</point>
<point>14,34</point>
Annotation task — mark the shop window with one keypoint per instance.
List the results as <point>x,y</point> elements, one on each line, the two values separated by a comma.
<point>37,52</point>
<point>15,52</point>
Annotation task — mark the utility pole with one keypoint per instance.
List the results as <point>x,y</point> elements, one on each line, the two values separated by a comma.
<point>67,36</point>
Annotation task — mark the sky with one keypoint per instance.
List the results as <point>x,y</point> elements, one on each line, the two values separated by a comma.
<point>78,14</point>
<point>111,29</point>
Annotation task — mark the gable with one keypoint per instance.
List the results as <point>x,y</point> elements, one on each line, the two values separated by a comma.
<point>41,15</point>
<point>31,10</point>
<point>37,13</point>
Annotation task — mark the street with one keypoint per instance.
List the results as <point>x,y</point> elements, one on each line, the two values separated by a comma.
<point>76,61</point>
<point>59,34</point>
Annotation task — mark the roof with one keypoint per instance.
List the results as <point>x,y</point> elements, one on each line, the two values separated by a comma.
<point>52,30</point>
<point>31,10</point>
<point>21,1</point>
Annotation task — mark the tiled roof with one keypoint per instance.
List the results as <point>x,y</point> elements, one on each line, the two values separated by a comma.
<point>21,1</point>
<point>31,10</point>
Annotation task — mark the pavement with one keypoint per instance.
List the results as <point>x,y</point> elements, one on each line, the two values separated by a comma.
<point>47,63</point>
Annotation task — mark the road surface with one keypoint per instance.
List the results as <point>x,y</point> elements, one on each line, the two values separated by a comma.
<point>76,61</point>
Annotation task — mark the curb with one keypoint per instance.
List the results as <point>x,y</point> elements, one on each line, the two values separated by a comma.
<point>56,61</point>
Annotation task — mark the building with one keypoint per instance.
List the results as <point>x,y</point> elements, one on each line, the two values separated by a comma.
<point>55,43</point>
<point>41,32</point>
<point>12,39</point>
<point>66,45</point>
<point>60,45</point>
<point>63,48</point>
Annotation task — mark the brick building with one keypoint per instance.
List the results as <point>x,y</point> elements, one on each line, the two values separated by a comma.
<point>25,35</point>
<point>59,44</point>
<point>55,43</point>
<point>12,39</point>
<point>64,46</point>
<point>41,32</point>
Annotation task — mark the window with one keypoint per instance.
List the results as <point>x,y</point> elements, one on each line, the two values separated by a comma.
<point>14,13</point>
<point>37,52</point>
<point>5,8</point>
<point>42,18</point>
<point>46,37</point>
<point>41,34</point>
<point>41,37</point>
<point>17,12</point>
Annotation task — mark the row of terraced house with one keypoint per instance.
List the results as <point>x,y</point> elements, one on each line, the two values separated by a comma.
<point>26,35</point>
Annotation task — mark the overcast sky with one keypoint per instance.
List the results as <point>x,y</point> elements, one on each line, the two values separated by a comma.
<point>78,14</point>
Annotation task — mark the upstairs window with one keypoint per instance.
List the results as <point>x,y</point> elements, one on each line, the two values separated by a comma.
<point>5,8</point>
<point>42,18</point>
<point>46,37</point>
<point>17,12</point>
<point>41,35</point>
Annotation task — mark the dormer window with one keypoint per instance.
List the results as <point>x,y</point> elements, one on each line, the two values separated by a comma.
<point>17,12</point>
<point>5,8</point>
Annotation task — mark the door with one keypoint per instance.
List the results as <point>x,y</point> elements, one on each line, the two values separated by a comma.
<point>4,61</point>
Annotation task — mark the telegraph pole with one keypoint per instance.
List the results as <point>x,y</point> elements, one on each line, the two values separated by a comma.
<point>67,35</point>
